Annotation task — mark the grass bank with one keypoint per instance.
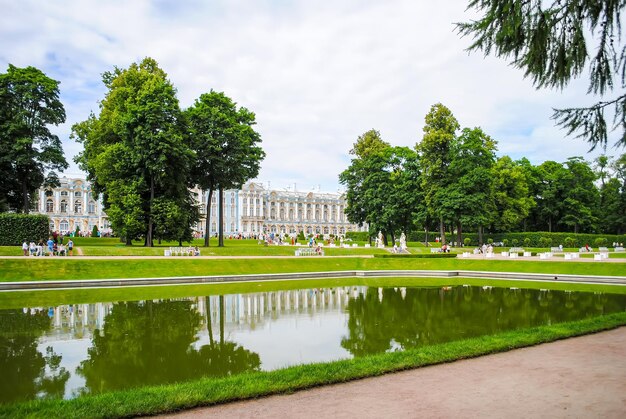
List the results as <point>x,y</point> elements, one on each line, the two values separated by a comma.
<point>209,391</point>
<point>42,269</point>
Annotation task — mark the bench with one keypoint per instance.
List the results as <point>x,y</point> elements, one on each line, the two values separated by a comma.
<point>309,251</point>
<point>182,251</point>
<point>603,249</point>
<point>516,250</point>
<point>555,250</point>
<point>618,249</point>
<point>435,250</point>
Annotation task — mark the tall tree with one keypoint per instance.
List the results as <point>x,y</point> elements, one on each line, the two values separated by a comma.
<point>357,178</point>
<point>581,196</point>
<point>550,194</point>
<point>435,153</point>
<point>29,152</point>
<point>512,200</point>
<point>136,140</point>
<point>550,41</point>
<point>470,194</point>
<point>226,147</point>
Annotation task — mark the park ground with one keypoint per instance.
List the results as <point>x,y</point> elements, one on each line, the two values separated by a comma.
<point>577,377</point>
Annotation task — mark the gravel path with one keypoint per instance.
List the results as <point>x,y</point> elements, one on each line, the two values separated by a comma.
<point>582,377</point>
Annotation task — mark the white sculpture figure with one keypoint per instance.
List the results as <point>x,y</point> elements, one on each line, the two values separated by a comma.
<point>379,241</point>
<point>403,241</point>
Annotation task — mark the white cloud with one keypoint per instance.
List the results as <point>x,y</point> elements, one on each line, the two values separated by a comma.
<point>316,75</point>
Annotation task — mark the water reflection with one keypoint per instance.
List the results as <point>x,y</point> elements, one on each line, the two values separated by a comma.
<point>75,349</point>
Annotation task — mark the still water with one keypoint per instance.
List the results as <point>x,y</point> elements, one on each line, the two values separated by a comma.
<point>75,349</point>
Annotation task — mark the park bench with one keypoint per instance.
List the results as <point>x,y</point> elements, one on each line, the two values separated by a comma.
<point>603,249</point>
<point>516,250</point>
<point>618,249</point>
<point>182,251</point>
<point>309,251</point>
<point>556,250</point>
<point>435,250</point>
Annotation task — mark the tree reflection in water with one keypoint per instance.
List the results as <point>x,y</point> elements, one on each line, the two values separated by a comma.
<point>391,319</point>
<point>26,373</point>
<point>144,343</point>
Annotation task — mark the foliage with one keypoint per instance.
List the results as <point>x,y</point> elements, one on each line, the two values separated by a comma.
<point>600,242</point>
<point>359,236</point>
<point>550,42</point>
<point>545,242</point>
<point>15,228</point>
<point>134,151</point>
<point>94,231</point>
<point>226,147</point>
<point>29,153</point>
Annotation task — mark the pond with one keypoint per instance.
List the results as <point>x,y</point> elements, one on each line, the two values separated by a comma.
<point>75,349</point>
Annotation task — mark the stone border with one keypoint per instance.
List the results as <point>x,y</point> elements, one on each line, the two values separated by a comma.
<point>187,280</point>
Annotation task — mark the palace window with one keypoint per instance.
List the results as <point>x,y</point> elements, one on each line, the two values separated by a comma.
<point>78,207</point>
<point>64,226</point>
<point>49,205</point>
<point>92,207</point>
<point>64,206</point>
<point>65,193</point>
<point>51,225</point>
<point>78,194</point>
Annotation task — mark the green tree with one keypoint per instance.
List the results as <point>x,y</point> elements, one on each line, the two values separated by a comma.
<point>29,153</point>
<point>550,194</point>
<point>135,146</point>
<point>435,154</point>
<point>512,199</point>
<point>581,196</point>
<point>470,194</point>
<point>551,42</point>
<point>227,150</point>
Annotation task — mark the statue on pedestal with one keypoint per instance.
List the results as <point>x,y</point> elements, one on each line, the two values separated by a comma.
<point>403,241</point>
<point>379,241</point>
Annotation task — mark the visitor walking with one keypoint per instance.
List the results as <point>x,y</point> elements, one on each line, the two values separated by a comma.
<point>25,247</point>
<point>70,246</point>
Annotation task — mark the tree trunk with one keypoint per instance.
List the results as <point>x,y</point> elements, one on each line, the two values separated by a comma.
<point>426,238</point>
<point>459,234</point>
<point>207,232</point>
<point>220,217</point>
<point>150,221</point>
<point>480,235</point>
<point>550,225</point>
<point>25,200</point>
<point>442,231</point>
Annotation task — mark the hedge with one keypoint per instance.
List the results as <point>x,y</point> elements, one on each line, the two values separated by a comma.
<point>14,228</point>
<point>358,236</point>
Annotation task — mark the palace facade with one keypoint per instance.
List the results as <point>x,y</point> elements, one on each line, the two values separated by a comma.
<point>72,205</point>
<point>249,211</point>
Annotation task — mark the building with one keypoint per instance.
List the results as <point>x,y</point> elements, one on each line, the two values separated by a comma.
<point>249,211</point>
<point>72,205</point>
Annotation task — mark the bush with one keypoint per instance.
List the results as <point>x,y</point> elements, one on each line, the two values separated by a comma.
<point>526,242</point>
<point>505,242</point>
<point>358,236</point>
<point>301,235</point>
<point>14,228</point>
<point>467,241</point>
<point>600,241</point>
<point>489,240</point>
<point>514,242</point>
<point>545,242</point>
<point>94,231</point>
<point>570,242</point>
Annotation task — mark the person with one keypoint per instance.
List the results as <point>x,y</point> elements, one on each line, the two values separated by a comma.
<point>33,249</point>
<point>50,244</point>
<point>55,249</point>
<point>587,247</point>
<point>25,247</point>
<point>70,246</point>
<point>395,248</point>
<point>196,251</point>
<point>61,250</point>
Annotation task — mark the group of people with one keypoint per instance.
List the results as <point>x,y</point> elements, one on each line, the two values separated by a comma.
<point>53,247</point>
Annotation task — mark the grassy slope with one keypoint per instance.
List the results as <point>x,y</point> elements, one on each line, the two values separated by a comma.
<point>39,269</point>
<point>208,391</point>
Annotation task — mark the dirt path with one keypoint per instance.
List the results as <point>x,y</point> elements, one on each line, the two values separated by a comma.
<point>582,377</point>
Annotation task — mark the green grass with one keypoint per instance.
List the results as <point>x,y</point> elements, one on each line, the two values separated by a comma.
<point>28,298</point>
<point>46,268</point>
<point>209,391</point>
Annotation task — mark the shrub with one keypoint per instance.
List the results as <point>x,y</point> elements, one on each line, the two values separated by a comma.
<point>526,242</point>
<point>490,240</point>
<point>14,228</point>
<point>505,242</point>
<point>514,242</point>
<point>467,241</point>
<point>600,241</point>
<point>361,236</point>
<point>94,231</point>
<point>545,242</point>
<point>570,242</point>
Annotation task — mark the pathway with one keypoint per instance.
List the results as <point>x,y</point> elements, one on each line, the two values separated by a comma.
<point>582,377</point>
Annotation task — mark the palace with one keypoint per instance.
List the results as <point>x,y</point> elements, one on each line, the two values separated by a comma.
<point>72,205</point>
<point>249,211</point>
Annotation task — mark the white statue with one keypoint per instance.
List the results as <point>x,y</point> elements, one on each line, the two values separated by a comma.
<point>379,241</point>
<point>403,241</point>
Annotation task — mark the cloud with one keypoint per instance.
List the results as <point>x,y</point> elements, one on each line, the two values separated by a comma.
<point>316,75</point>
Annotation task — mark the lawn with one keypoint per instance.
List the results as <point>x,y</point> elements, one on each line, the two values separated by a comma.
<point>59,268</point>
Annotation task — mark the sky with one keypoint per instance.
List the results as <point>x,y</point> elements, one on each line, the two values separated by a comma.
<point>317,74</point>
